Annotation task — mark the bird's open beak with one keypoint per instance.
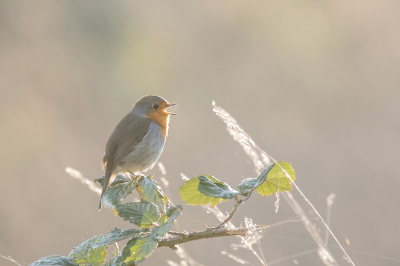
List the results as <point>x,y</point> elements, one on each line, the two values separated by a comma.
<point>171,104</point>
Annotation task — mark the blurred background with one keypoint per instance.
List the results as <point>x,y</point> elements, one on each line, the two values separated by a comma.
<point>315,83</point>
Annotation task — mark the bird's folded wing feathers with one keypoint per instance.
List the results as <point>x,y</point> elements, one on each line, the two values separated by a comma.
<point>131,131</point>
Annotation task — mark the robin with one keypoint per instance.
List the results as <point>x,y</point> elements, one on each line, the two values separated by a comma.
<point>138,140</point>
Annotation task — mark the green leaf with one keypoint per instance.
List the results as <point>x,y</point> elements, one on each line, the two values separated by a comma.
<point>263,175</point>
<point>54,260</point>
<point>171,210</point>
<point>118,190</point>
<point>210,186</point>
<point>267,184</point>
<point>250,184</point>
<point>143,214</point>
<point>246,186</point>
<point>118,179</point>
<point>137,249</point>
<point>121,179</point>
<point>160,231</point>
<point>191,195</point>
<point>150,191</point>
<point>116,235</point>
<point>85,254</point>
<point>101,180</point>
<point>116,260</point>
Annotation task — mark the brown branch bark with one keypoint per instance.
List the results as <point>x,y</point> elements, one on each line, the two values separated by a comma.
<point>235,208</point>
<point>209,233</point>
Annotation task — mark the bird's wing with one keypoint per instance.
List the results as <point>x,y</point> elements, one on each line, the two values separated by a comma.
<point>128,133</point>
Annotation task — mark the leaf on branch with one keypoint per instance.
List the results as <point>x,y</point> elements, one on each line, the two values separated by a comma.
<point>118,179</point>
<point>250,184</point>
<point>270,181</point>
<point>160,231</point>
<point>116,235</point>
<point>276,179</point>
<point>190,192</point>
<point>246,186</point>
<point>119,189</point>
<point>101,180</point>
<point>116,260</point>
<point>138,249</point>
<point>171,210</point>
<point>143,214</point>
<point>150,191</point>
<point>210,186</point>
<point>85,254</point>
<point>55,260</point>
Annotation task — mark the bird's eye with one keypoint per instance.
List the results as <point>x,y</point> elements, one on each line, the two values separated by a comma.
<point>155,106</point>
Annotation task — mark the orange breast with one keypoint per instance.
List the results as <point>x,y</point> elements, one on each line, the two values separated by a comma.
<point>162,119</point>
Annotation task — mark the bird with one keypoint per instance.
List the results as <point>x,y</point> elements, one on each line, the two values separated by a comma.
<point>138,140</point>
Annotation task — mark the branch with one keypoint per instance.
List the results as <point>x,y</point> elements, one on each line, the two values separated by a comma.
<point>209,233</point>
<point>235,208</point>
<point>238,202</point>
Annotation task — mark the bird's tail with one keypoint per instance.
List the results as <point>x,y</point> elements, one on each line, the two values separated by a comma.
<point>106,181</point>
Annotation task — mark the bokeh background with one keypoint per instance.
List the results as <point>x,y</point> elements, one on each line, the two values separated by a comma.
<point>315,83</point>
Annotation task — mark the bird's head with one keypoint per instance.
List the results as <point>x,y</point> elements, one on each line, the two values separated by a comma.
<point>154,107</point>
